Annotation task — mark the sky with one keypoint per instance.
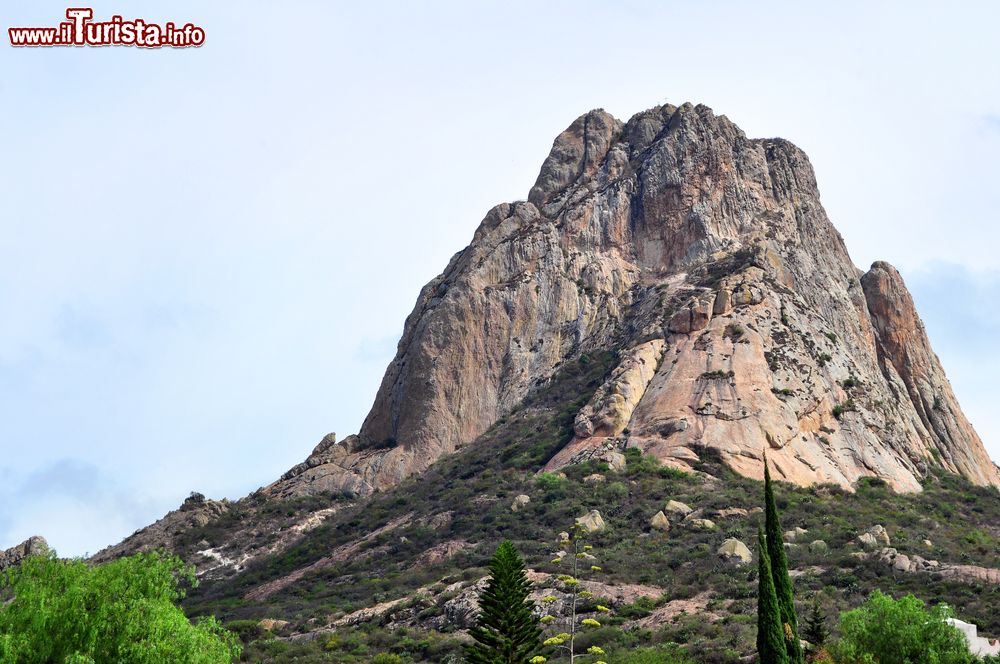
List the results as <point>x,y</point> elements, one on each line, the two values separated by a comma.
<point>206,255</point>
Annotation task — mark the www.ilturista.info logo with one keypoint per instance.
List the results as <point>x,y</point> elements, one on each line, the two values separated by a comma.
<point>80,30</point>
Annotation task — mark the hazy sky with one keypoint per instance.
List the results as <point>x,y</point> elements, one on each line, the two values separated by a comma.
<point>206,255</point>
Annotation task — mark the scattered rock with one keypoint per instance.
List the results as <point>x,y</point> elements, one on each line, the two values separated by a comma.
<point>677,507</point>
<point>880,534</point>
<point>700,524</point>
<point>270,624</point>
<point>616,461</point>
<point>519,502</point>
<point>731,512</point>
<point>735,551</point>
<point>819,547</point>
<point>591,522</point>
<point>443,551</point>
<point>660,521</point>
<point>874,537</point>
<point>794,534</point>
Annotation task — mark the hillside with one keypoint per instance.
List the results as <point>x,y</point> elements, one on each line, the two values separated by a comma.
<point>426,543</point>
<point>669,304</point>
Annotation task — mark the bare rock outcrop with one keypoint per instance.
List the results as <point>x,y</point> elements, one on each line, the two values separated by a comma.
<point>906,355</point>
<point>704,258</point>
<point>196,510</point>
<point>33,546</point>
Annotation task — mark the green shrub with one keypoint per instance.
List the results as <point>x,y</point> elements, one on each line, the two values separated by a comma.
<point>669,654</point>
<point>550,481</point>
<point>901,631</point>
<point>387,658</point>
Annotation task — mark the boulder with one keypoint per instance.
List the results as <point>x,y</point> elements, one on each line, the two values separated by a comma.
<point>616,461</point>
<point>867,540</point>
<point>794,534</point>
<point>519,502</point>
<point>735,551</point>
<point>732,512</point>
<point>660,521</point>
<point>723,302</point>
<point>592,522</point>
<point>677,507</point>
<point>880,533</point>
<point>596,478</point>
<point>818,547</point>
<point>270,624</point>
<point>700,524</point>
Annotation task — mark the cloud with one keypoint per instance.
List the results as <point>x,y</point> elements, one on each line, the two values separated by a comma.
<point>71,503</point>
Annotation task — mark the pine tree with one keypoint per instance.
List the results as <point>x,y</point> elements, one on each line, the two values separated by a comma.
<point>779,571</point>
<point>770,633</point>
<point>506,630</point>
<point>815,631</point>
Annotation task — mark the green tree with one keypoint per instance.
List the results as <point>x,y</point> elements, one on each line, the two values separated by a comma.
<point>901,631</point>
<point>779,571</point>
<point>69,612</point>
<point>815,631</point>
<point>506,630</point>
<point>770,631</point>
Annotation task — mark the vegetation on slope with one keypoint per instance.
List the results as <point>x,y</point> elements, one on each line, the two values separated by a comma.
<point>467,497</point>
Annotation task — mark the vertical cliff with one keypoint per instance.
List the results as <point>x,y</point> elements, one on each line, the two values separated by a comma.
<point>706,261</point>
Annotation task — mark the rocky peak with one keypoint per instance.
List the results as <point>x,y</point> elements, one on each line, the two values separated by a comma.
<point>904,350</point>
<point>705,259</point>
<point>33,546</point>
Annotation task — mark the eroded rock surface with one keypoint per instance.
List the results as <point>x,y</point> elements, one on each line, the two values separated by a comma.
<point>707,260</point>
<point>33,546</point>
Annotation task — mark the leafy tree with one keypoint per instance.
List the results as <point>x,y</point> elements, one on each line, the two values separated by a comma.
<point>779,571</point>
<point>68,612</point>
<point>815,631</point>
<point>770,631</point>
<point>583,561</point>
<point>888,631</point>
<point>507,630</point>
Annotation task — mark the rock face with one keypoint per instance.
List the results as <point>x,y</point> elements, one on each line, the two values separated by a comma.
<point>707,261</point>
<point>33,546</point>
<point>195,511</point>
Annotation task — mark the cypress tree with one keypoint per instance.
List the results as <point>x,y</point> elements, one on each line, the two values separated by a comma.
<point>506,630</point>
<point>779,571</point>
<point>770,633</point>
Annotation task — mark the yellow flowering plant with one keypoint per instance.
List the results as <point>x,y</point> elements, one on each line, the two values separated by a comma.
<point>578,556</point>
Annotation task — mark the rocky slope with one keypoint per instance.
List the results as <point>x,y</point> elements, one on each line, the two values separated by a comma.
<point>707,261</point>
<point>33,546</point>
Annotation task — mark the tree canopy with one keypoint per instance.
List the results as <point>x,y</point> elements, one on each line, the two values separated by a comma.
<point>506,630</point>
<point>70,612</point>
<point>901,631</point>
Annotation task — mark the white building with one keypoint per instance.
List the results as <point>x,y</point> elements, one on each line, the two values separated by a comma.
<point>977,644</point>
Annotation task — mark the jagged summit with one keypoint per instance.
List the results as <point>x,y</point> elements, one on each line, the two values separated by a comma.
<point>706,261</point>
